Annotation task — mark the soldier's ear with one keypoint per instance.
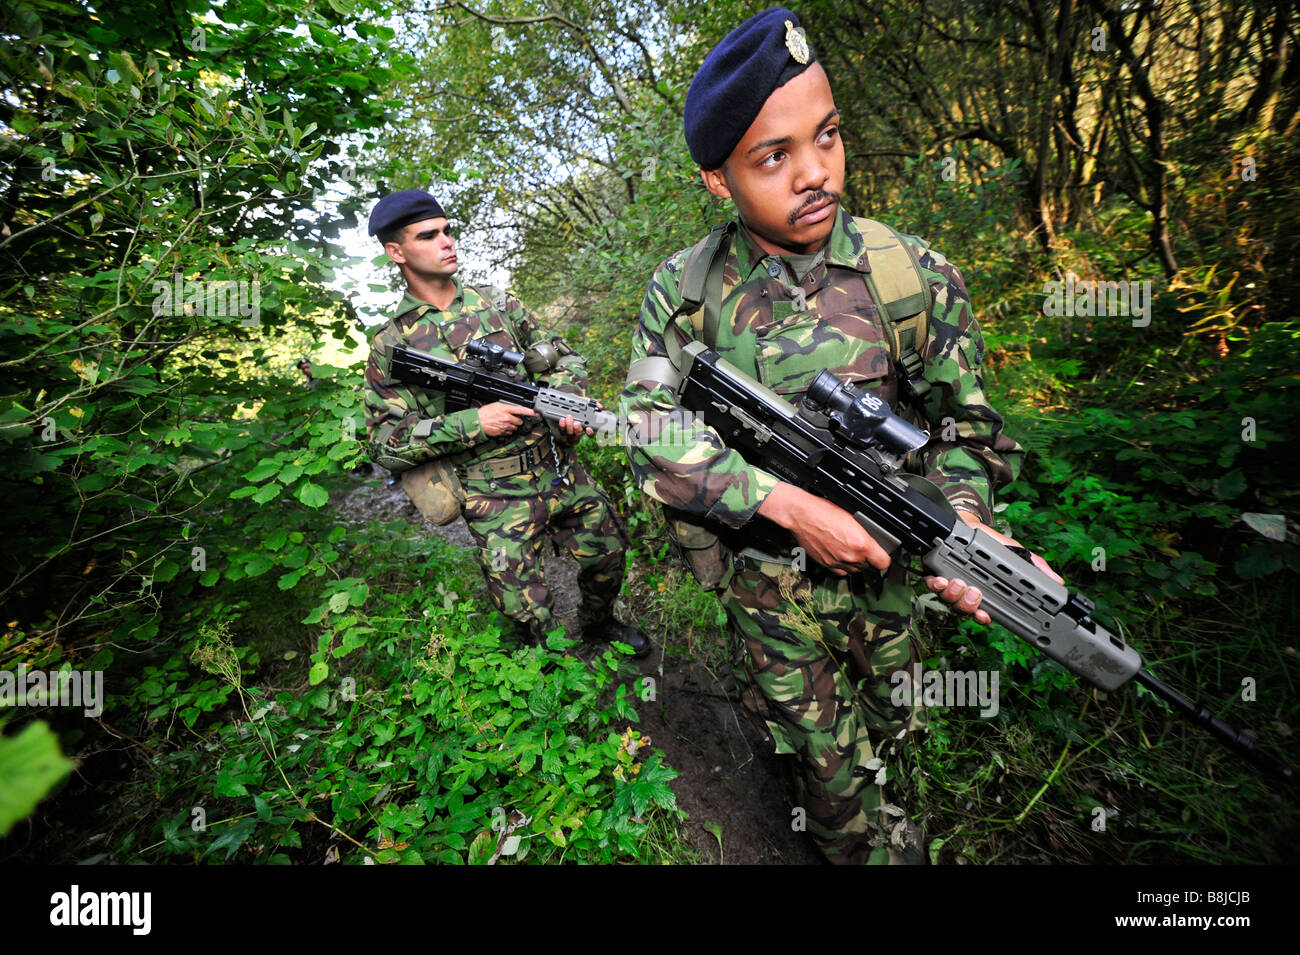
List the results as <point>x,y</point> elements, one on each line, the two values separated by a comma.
<point>715,180</point>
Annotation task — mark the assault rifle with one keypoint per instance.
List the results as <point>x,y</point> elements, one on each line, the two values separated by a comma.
<point>845,445</point>
<point>491,374</point>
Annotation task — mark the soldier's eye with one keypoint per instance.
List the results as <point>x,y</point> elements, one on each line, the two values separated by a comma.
<point>773,158</point>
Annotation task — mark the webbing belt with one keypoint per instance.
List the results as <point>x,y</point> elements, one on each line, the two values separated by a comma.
<point>529,459</point>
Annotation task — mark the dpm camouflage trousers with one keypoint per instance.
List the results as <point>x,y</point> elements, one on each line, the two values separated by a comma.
<point>512,520</point>
<point>814,660</point>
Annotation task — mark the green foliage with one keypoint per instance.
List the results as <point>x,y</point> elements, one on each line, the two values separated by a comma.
<point>30,765</point>
<point>424,737</point>
<point>142,166</point>
<point>325,690</point>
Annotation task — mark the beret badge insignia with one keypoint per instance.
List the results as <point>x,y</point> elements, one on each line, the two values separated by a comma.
<point>796,43</point>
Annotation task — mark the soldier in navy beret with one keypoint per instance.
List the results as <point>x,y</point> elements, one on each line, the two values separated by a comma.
<point>402,208</point>
<point>820,612</point>
<point>759,56</point>
<point>519,485</point>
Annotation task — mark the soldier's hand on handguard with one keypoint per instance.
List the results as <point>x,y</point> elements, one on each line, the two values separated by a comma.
<point>965,598</point>
<point>826,532</point>
<point>501,418</point>
<point>571,431</point>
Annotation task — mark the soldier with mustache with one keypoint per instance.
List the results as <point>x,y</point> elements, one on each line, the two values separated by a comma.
<point>820,614</point>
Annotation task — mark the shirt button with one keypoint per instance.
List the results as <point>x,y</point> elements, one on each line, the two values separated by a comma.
<point>773,269</point>
<point>763,293</point>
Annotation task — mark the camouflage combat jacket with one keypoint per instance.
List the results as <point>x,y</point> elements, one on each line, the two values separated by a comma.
<point>407,425</point>
<point>762,332</point>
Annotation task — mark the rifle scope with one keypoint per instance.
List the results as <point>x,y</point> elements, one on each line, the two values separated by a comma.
<point>493,355</point>
<point>861,418</point>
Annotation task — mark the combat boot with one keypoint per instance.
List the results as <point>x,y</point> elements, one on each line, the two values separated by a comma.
<point>610,629</point>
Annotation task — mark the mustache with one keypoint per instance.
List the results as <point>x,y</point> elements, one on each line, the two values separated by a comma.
<point>811,201</point>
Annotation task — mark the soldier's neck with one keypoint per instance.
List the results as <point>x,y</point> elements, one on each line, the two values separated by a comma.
<point>438,292</point>
<point>769,247</point>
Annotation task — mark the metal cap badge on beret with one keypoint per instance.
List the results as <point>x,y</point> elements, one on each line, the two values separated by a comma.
<point>759,56</point>
<point>403,208</point>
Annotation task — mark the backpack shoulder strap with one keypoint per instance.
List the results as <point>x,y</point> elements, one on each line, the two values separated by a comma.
<point>903,296</point>
<point>701,286</point>
<point>702,290</point>
<point>394,329</point>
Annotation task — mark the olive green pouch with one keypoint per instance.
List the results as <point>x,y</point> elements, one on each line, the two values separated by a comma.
<point>435,490</point>
<point>710,560</point>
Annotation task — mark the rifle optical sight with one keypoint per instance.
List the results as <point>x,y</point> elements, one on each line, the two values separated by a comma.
<point>492,355</point>
<point>860,417</point>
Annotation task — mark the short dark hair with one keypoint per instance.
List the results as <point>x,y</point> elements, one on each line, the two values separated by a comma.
<point>391,235</point>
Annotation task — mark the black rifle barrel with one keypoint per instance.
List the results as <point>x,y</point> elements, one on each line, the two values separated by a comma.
<point>1243,742</point>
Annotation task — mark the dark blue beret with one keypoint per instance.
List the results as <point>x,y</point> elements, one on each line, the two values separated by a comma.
<point>759,56</point>
<point>403,208</point>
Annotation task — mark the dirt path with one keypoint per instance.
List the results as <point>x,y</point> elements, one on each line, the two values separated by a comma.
<point>728,779</point>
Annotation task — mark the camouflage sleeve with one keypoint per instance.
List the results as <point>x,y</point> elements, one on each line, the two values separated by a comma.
<point>400,436</point>
<point>675,458</point>
<point>570,374</point>
<point>972,456</point>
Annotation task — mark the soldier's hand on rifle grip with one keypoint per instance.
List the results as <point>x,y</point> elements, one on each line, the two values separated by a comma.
<point>501,418</point>
<point>967,599</point>
<point>826,532</point>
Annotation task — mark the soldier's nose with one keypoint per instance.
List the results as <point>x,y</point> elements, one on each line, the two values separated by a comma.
<point>812,174</point>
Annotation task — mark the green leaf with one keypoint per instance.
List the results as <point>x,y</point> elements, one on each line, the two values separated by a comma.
<point>355,637</point>
<point>290,580</point>
<point>313,495</point>
<point>230,782</point>
<point>1259,562</point>
<point>30,765</point>
<point>263,470</point>
<point>481,849</point>
<point>233,838</point>
<point>1231,485</point>
<point>339,601</point>
<point>267,492</point>
<point>319,671</point>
